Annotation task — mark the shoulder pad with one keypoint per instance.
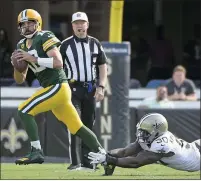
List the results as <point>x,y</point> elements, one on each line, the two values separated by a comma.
<point>161,145</point>
<point>21,41</point>
<point>42,33</point>
<point>20,44</point>
<point>49,40</point>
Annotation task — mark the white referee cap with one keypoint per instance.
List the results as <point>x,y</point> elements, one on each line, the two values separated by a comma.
<point>79,16</point>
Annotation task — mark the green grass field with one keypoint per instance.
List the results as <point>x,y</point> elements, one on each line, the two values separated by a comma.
<point>58,171</point>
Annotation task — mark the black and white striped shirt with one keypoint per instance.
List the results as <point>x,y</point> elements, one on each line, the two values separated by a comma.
<point>81,57</point>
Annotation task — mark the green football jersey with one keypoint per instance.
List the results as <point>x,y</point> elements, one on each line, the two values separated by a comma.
<point>42,42</point>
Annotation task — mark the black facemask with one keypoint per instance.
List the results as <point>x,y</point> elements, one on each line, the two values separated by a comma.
<point>143,135</point>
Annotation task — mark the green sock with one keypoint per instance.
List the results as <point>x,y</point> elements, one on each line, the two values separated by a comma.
<point>89,138</point>
<point>30,126</point>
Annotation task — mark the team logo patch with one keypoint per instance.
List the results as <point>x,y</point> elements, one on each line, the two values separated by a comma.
<point>157,125</point>
<point>22,46</point>
<point>78,15</point>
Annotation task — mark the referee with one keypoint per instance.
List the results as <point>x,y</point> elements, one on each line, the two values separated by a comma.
<point>85,61</point>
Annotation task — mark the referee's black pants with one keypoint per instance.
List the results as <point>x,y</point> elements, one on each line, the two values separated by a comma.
<point>85,104</point>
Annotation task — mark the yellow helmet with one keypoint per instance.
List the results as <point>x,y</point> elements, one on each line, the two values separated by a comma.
<point>29,15</point>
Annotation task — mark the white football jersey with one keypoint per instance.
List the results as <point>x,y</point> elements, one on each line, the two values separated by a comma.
<point>186,155</point>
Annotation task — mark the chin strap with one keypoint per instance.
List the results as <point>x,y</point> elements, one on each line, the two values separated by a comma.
<point>30,36</point>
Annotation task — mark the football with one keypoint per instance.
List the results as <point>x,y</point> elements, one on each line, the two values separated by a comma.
<point>21,66</point>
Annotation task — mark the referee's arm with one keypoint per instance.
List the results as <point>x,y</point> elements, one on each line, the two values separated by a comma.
<point>102,66</point>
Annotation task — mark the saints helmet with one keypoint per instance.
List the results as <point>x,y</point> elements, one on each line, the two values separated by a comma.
<point>150,127</point>
<point>29,15</point>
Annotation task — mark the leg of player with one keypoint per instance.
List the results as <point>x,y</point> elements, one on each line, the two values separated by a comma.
<point>36,155</point>
<point>69,116</point>
<point>41,101</point>
<point>72,121</point>
<point>89,138</point>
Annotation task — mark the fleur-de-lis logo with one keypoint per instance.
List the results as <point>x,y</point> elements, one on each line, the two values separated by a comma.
<point>157,125</point>
<point>12,134</point>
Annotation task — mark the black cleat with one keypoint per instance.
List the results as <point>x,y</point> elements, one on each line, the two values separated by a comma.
<point>35,156</point>
<point>109,170</point>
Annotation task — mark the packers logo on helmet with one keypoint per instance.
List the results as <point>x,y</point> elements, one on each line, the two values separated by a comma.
<point>29,15</point>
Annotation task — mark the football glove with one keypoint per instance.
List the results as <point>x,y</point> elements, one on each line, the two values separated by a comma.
<point>97,158</point>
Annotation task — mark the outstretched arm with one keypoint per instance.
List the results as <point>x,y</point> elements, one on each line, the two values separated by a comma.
<point>143,158</point>
<point>130,150</point>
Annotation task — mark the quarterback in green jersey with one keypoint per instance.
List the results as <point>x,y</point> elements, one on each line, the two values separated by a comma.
<point>40,49</point>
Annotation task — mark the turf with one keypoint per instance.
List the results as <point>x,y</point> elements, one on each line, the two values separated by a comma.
<point>58,171</point>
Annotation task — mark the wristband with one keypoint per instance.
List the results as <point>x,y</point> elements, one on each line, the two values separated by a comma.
<point>111,160</point>
<point>45,62</point>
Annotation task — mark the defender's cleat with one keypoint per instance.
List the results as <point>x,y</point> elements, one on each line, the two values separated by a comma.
<point>35,156</point>
<point>109,170</point>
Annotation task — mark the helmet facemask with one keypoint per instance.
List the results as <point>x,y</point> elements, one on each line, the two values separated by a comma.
<point>144,136</point>
<point>23,30</point>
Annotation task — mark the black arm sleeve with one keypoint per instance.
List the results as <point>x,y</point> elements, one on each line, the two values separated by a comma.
<point>62,49</point>
<point>102,58</point>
